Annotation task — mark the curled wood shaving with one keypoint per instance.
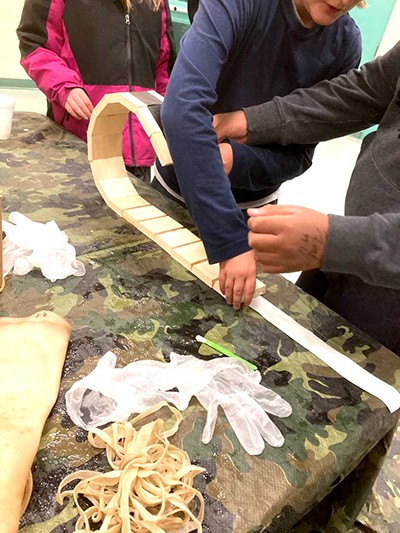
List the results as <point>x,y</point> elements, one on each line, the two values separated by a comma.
<point>149,488</point>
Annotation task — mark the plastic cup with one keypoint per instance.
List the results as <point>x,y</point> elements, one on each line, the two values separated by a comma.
<point>6,115</point>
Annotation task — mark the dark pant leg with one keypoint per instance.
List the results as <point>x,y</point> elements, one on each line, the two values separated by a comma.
<point>155,184</point>
<point>313,282</point>
<point>375,310</point>
<point>142,173</point>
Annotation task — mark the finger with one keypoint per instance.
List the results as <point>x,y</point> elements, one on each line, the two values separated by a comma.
<point>88,102</point>
<point>216,121</point>
<point>75,108</point>
<point>259,224</point>
<point>228,289</point>
<point>268,269</point>
<point>237,293</point>
<point>271,224</point>
<point>71,111</point>
<point>259,211</point>
<point>262,242</point>
<point>85,112</point>
<point>222,280</point>
<point>83,106</point>
<point>229,292</point>
<point>269,263</point>
<point>249,288</point>
<point>81,113</point>
<point>272,209</point>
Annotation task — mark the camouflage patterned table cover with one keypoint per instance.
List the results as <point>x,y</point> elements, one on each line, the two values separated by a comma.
<point>138,302</point>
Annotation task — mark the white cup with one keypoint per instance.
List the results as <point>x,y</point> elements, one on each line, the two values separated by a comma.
<point>7,104</point>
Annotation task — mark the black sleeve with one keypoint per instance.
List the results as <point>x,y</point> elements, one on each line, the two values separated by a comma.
<point>192,8</point>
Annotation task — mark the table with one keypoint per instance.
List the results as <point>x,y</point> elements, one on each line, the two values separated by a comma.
<point>138,302</point>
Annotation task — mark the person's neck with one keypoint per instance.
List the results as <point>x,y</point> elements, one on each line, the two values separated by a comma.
<point>303,14</point>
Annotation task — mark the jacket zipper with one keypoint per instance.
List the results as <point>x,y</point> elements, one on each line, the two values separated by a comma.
<point>129,51</point>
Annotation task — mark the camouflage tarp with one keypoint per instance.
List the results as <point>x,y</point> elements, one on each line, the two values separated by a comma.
<point>138,302</point>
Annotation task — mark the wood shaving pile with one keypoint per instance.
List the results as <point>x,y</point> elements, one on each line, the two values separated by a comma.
<point>149,488</point>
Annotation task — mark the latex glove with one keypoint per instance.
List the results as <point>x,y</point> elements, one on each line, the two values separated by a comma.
<point>288,238</point>
<point>245,403</point>
<point>31,244</point>
<point>109,394</point>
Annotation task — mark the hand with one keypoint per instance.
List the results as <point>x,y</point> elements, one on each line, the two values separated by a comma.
<point>78,104</point>
<point>237,279</point>
<point>226,156</point>
<point>288,238</point>
<point>231,126</point>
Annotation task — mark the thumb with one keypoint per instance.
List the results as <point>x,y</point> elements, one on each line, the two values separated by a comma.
<point>260,211</point>
<point>273,209</point>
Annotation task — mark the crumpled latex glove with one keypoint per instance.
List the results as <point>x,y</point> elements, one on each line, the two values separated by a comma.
<point>245,403</point>
<point>31,244</point>
<point>108,394</point>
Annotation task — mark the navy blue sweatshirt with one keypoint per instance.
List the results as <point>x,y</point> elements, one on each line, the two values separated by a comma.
<point>239,53</point>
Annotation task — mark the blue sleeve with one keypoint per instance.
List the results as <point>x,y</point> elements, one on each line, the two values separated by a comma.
<point>187,123</point>
<point>255,168</point>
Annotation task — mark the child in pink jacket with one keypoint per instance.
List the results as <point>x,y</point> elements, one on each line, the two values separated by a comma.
<point>76,51</point>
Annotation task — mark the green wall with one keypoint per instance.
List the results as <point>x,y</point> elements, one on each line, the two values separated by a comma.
<point>180,19</point>
<point>372,21</point>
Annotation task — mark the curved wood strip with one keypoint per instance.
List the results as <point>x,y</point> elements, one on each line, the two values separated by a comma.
<point>113,183</point>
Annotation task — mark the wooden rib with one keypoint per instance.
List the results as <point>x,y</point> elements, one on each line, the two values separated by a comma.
<point>105,146</point>
<point>108,168</point>
<point>116,187</point>
<point>260,288</point>
<point>156,226</point>
<point>110,104</point>
<point>121,204</point>
<point>148,122</point>
<point>133,101</point>
<point>161,148</point>
<point>105,168</point>
<point>107,124</point>
<point>172,239</point>
<point>190,254</point>
<point>207,273</point>
<point>134,216</point>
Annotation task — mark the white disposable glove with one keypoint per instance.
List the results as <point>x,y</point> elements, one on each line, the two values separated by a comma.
<point>31,244</point>
<point>108,394</point>
<point>245,403</point>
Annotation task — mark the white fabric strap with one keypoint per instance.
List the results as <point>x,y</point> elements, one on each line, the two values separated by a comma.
<point>334,359</point>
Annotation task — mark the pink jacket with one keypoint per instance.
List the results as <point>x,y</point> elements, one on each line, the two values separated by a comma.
<point>103,49</point>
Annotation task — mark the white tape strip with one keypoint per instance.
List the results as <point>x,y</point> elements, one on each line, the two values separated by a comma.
<point>336,360</point>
